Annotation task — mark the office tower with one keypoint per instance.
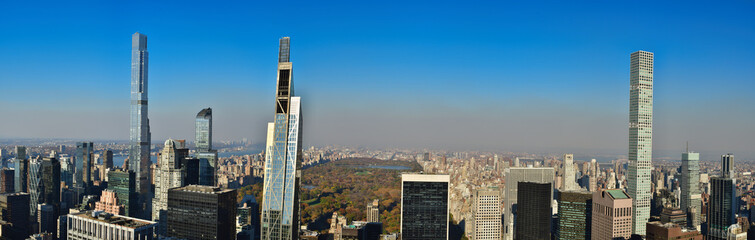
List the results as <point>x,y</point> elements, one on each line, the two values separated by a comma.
<point>727,165</point>
<point>722,204</point>
<point>46,218</point>
<point>7,181</point>
<point>373,211</point>
<point>108,159</point>
<point>168,175</point>
<point>203,127</point>
<point>690,186</point>
<point>640,137</point>
<point>50,188</point>
<point>611,214</point>
<point>534,205</point>
<point>569,174</point>
<point>208,157</point>
<point>201,212</point>
<point>513,177</point>
<point>424,206</point>
<point>190,168</point>
<point>123,184</point>
<point>359,230</point>
<point>14,211</point>
<point>21,152</point>
<point>109,203</point>
<point>663,231</point>
<point>96,225</point>
<point>280,201</point>
<point>140,136</point>
<point>35,186</point>
<point>486,214</point>
<point>21,175</point>
<point>67,171</point>
<point>83,174</point>
<point>574,215</point>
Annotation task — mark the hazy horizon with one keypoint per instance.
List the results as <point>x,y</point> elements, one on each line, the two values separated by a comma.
<point>516,76</point>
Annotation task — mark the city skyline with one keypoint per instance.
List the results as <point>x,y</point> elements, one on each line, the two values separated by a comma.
<point>521,107</point>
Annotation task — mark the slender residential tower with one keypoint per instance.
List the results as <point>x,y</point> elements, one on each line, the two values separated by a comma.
<point>691,201</point>
<point>208,157</point>
<point>139,131</point>
<point>640,138</point>
<point>280,201</point>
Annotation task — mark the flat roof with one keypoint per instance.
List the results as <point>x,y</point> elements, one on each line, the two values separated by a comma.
<point>617,194</point>
<point>415,177</point>
<point>119,220</point>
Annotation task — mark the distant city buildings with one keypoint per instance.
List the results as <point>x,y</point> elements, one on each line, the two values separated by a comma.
<point>424,206</point>
<point>640,138</point>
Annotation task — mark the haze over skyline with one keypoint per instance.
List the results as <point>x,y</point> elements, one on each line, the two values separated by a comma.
<point>488,76</point>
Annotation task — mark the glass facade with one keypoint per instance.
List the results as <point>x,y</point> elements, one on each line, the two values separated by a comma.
<point>123,183</point>
<point>201,212</point>
<point>574,215</point>
<point>690,186</point>
<point>640,137</point>
<point>722,207</point>
<point>203,130</point>
<point>424,208</point>
<point>139,134</point>
<point>21,175</point>
<point>83,162</point>
<point>280,205</point>
<point>533,218</point>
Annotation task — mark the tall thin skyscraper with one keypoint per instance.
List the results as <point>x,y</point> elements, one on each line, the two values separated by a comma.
<point>280,201</point>
<point>424,207</point>
<point>208,157</point>
<point>691,201</point>
<point>107,159</point>
<point>83,173</point>
<point>640,138</point>
<point>569,174</point>
<point>21,175</point>
<point>140,136</point>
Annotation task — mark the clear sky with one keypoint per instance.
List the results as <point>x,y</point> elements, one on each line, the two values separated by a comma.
<point>507,76</point>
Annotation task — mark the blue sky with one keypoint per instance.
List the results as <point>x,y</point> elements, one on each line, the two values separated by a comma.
<point>508,76</point>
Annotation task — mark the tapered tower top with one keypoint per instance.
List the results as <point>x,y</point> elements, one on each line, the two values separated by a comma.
<point>283,50</point>
<point>139,41</point>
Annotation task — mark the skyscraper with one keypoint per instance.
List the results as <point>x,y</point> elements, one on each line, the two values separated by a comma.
<point>373,211</point>
<point>108,159</point>
<point>21,152</point>
<point>515,175</point>
<point>534,206</point>
<point>123,183</point>
<point>611,215</point>
<point>208,157</point>
<point>168,175</point>
<point>640,137</point>
<point>574,215</point>
<point>486,210</point>
<point>201,212</point>
<point>691,201</point>
<point>15,211</point>
<point>203,128</point>
<point>83,174</point>
<point>424,207</point>
<point>722,204</point>
<point>139,135</point>
<point>7,178</point>
<point>280,201</point>
<point>21,174</point>
<point>35,186</point>
<point>569,174</point>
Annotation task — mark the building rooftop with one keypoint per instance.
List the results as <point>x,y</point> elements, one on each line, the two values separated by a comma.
<point>119,220</point>
<point>617,194</point>
<point>203,189</point>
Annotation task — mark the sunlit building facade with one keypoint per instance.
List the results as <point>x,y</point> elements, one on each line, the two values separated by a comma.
<point>640,138</point>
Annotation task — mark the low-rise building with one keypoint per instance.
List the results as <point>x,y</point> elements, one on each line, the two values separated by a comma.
<point>92,225</point>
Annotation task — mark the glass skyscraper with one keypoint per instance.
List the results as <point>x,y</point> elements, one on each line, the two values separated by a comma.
<point>139,134</point>
<point>83,162</point>
<point>691,201</point>
<point>208,158</point>
<point>280,201</point>
<point>722,205</point>
<point>640,137</point>
<point>424,207</point>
